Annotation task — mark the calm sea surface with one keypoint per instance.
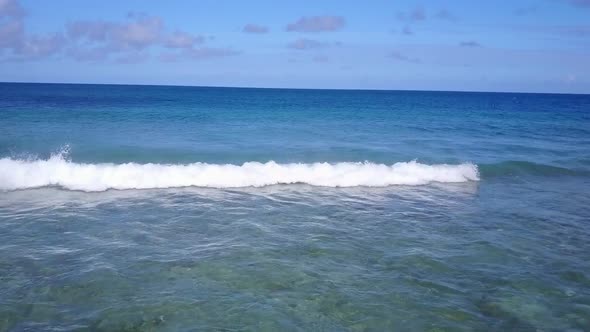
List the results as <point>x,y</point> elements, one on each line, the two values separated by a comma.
<point>181,208</point>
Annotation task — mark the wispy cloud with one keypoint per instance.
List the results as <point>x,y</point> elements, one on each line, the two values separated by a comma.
<point>414,15</point>
<point>210,52</point>
<point>419,14</point>
<point>255,28</point>
<point>14,40</point>
<point>11,8</point>
<point>570,78</point>
<point>470,43</point>
<point>444,14</point>
<point>309,44</point>
<point>528,10</point>
<point>132,58</point>
<point>317,24</point>
<point>574,31</point>
<point>139,32</point>
<point>200,53</point>
<point>180,39</point>
<point>404,58</point>
<point>127,41</point>
<point>11,34</point>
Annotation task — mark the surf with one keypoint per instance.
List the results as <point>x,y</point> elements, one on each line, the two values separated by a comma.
<point>57,171</point>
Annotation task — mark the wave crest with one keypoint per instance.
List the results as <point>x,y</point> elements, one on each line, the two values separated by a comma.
<point>57,171</point>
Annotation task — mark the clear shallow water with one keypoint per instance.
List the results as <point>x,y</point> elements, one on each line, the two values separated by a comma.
<point>506,251</point>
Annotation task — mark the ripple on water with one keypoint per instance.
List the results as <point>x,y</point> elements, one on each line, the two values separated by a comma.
<point>440,257</point>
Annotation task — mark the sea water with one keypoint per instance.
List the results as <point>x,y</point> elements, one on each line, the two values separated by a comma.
<point>187,208</point>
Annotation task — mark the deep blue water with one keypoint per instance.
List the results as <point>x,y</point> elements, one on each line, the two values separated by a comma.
<point>151,207</point>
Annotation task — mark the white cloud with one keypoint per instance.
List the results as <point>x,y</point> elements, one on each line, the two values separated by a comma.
<point>317,24</point>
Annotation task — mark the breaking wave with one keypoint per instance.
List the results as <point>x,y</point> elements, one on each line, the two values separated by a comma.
<point>58,171</point>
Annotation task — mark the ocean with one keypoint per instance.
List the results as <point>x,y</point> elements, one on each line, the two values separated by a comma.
<point>239,209</point>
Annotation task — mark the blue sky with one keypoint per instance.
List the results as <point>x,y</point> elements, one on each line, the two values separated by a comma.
<point>528,46</point>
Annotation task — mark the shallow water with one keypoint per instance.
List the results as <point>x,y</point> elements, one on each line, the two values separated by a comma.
<point>508,251</point>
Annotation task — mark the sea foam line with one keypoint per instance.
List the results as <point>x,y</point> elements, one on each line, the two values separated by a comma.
<point>57,171</point>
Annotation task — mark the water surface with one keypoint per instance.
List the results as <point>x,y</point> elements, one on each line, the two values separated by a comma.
<point>404,211</point>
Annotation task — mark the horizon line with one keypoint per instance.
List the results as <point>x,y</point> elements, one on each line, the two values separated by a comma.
<point>291,88</point>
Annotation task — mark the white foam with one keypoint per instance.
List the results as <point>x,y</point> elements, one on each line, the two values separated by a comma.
<point>57,171</point>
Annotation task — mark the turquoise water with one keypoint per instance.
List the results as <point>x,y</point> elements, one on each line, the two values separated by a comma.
<point>178,208</point>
